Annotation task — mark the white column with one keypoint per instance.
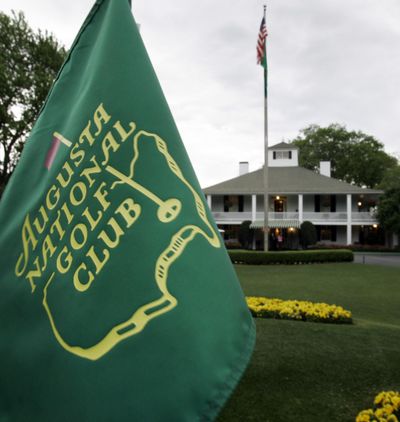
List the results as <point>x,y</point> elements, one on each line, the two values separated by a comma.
<point>253,207</point>
<point>300,208</point>
<point>209,201</point>
<point>348,196</point>
<point>254,216</point>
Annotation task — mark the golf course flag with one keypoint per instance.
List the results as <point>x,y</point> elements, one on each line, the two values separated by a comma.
<point>118,301</point>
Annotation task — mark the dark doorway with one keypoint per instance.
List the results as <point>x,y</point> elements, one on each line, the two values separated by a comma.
<point>279,204</point>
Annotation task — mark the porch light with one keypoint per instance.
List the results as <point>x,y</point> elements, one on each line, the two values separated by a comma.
<point>359,203</point>
<point>278,197</point>
<point>375,226</point>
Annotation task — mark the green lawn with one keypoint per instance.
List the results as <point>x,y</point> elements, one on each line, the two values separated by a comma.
<point>303,371</point>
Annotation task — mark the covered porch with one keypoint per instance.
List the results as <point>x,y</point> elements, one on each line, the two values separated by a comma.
<point>290,210</point>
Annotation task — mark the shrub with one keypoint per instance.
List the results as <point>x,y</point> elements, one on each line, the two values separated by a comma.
<point>357,247</point>
<point>308,234</point>
<point>373,248</point>
<point>245,234</point>
<point>290,257</point>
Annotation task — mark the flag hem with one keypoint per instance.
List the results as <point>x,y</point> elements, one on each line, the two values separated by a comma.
<point>216,404</point>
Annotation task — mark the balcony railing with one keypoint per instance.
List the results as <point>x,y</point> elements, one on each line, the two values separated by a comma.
<point>233,217</point>
<point>363,217</point>
<point>314,217</point>
<point>331,217</point>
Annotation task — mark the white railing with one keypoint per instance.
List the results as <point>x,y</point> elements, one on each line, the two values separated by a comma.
<point>337,217</point>
<point>314,217</point>
<point>363,217</point>
<point>247,215</point>
<point>232,216</point>
<point>282,215</point>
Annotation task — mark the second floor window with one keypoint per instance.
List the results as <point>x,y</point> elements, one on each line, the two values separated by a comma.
<point>325,203</point>
<point>282,155</point>
<point>233,203</point>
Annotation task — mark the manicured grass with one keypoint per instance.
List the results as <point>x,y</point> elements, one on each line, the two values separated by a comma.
<point>309,372</point>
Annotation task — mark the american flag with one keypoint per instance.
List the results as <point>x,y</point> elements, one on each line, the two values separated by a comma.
<point>262,35</point>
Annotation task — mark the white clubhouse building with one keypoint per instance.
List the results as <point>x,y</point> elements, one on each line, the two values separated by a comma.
<point>343,214</point>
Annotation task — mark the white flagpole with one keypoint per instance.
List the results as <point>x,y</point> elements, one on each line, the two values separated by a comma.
<point>266,201</point>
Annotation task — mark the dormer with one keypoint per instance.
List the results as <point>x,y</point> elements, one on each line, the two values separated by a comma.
<point>283,155</point>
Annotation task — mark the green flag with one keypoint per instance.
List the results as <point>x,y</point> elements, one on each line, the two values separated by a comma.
<point>117,297</point>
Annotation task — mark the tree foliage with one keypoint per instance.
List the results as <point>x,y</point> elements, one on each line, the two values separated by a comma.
<point>245,234</point>
<point>355,157</point>
<point>389,204</point>
<point>29,62</point>
<point>389,210</point>
<point>308,234</point>
<point>391,179</point>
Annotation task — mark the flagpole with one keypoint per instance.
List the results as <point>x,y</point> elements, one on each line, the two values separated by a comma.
<point>266,199</point>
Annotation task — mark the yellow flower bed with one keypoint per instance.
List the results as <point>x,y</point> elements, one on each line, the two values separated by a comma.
<point>264,307</point>
<point>386,408</point>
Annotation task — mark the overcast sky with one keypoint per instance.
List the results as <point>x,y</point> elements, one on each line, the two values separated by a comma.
<point>331,61</point>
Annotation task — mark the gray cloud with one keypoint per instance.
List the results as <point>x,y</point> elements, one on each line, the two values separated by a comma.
<point>330,61</point>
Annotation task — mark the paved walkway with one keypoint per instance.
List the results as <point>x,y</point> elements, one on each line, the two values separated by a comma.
<point>389,259</point>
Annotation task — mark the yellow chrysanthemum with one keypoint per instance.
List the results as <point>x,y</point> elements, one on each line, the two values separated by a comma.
<point>365,416</point>
<point>386,404</point>
<point>299,310</point>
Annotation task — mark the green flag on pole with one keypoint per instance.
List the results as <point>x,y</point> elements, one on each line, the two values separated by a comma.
<point>117,297</point>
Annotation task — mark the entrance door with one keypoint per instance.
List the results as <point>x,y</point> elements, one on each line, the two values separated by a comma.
<point>279,204</point>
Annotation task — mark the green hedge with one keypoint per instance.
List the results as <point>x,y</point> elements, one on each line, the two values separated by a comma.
<point>290,257</point>
<point>359,248</point>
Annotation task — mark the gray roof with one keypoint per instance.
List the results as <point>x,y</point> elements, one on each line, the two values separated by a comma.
<point>283,145</point>
<point>285,180</point>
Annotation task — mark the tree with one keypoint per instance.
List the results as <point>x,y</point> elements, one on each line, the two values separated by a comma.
<point>389,211</point>
<point>389,204</point>
<point>355,157</point>
<point>308,234</point>
<point>245,234</point>
<point>391,179</point>
<point>29,62</point>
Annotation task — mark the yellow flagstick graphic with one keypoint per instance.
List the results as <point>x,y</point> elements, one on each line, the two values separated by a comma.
<point>64,140</point>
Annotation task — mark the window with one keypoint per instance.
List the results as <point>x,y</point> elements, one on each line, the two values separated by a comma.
<point>326,233</point>
<point>233,203</point>
<point>230,232</point>
<point>282,155</point>
<point>325,203</point>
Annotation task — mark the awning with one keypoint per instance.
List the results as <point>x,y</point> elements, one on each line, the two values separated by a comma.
<point>281,224</point>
